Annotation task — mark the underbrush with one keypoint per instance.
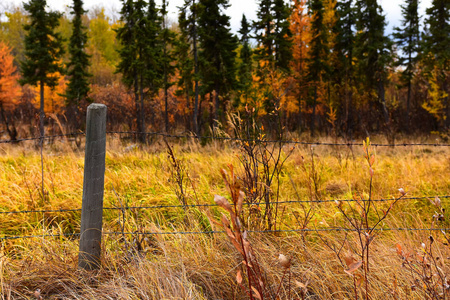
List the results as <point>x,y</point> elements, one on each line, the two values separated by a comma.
<point>311,190</point>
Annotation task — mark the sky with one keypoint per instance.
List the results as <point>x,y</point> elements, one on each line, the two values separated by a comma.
<point>391,9</point>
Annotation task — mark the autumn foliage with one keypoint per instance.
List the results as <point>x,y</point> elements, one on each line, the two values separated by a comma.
<point>309,62</point>
<point>9,88</point>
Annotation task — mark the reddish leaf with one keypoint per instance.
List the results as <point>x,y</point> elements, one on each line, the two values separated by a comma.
<point>257,294</point>
<point>353,267</point>
<point>223,202</point>
<point>239,277</point>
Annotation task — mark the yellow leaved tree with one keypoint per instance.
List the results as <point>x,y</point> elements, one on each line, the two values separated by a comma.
<point>436,95</point>
<point>54,98</point>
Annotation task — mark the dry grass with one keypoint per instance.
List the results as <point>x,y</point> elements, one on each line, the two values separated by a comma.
<point>204,266</point>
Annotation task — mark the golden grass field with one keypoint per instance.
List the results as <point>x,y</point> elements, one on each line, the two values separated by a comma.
<point>405,264</point>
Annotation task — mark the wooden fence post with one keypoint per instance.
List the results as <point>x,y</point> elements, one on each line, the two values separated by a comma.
<point>93,185</point>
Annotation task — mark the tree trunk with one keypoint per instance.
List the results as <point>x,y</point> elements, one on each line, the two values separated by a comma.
<point>166,113</point>
<point>12,132</point>
<point>313,117</point>
<point>137,106</point>
<point>217,104</point>
<point>446,102</point>
<point>299,117</point>
<point>349,103</point>
<point>166,105</point>
<point>408,108</point>
<point>188,107</point>
<point>381,98</point>
<point>142,136</point>
<point>408,99</point>
<point>166,108</point>
<point>41,112</point>
<point>194,38</point>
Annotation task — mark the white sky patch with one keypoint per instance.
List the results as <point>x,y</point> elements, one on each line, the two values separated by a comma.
<point>391,9</point>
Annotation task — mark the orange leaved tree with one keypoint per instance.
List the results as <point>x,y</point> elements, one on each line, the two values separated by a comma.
<point>300,28</point>
<point>9,89</point>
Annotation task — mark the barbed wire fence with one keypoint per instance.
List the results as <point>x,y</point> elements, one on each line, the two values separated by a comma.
<point>6,237</point>
<point>209,205</point>
<point>225,138</point>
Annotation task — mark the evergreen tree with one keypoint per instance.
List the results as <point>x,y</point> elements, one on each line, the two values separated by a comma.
<point>187,43</point>
<point>282,36</point>
<point>185,66</point>
<point>273,52</point>
<point>264,32</point>
<point>273,34</point>
<point>218,46</point>
<point>245,64</point>
<point>78,86</point>
<point>167,37</point>
<point>128,54</point>
<point>342,65</point>
<point>372,50</point>
<point>318,67</point>
<point>436,47</point>
<point>141,53</point>
<point>407,39</point>
<point>43,51</point>
<point>152,54</point>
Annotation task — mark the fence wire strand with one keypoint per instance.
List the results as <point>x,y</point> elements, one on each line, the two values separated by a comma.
<point>47,137</point>
<point>215,205</point>
<point>198,137</point>
<point>206,137</point>
<point>333,229</point>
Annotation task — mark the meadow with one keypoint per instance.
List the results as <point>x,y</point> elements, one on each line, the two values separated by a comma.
<point>384,243</point>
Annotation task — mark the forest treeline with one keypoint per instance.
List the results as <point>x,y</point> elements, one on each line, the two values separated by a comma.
<point>322,66</point>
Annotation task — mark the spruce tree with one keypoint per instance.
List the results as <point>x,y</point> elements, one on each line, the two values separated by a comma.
<point>152,53</point>
<point>342,68</point>
<point>245,67</point>
<point>43,51</point>
<point>436,47</point>
<point>273,34</point>
<point>218,46</point>
<point>372,51</point>
<point>167,38</point>
<point>282,36</point>
<point>184,65</point>
<point>264,32</point>
<point>437,37</point>
<point>407,39</point>
<point>189,68</point>
<point>318,67</point>
<point>141,53</point>
<point>78,85</point>
<point>128,54</point>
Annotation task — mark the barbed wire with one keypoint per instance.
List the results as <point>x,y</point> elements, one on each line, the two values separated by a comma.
<point>215,205</point>
<point>38,138</point>
<point>37,236</point>
<point>275,231</point>
<point>349,144</point>
<point>39,211</point>
<point>199,137</point>
<point>332,229</point>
